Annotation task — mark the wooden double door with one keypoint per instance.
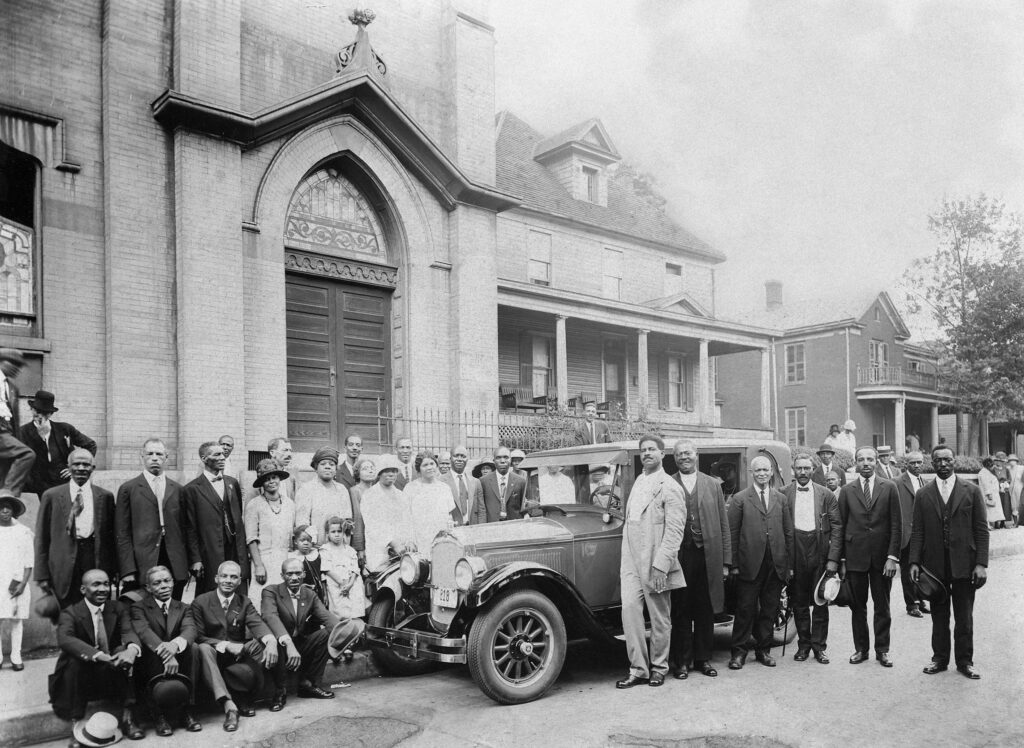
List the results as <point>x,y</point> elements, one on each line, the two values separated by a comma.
<point>339,349</point>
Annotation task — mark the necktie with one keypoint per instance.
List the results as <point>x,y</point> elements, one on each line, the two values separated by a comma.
<point>944,491</point>
<point>591,427</point>
<point>76,508</point>
<point>764,500</point>
<point>867,493</point>
<point>101,632</point>
<point>501,487</point>
<point>226,604</point>
<point>463,495</point>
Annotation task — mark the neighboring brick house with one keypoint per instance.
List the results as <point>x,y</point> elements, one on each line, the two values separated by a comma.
<point>843,356</point>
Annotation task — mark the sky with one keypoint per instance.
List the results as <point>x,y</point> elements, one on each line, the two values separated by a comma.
<point>807,141</point>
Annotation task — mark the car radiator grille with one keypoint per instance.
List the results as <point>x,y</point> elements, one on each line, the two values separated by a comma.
<point>443,556</point>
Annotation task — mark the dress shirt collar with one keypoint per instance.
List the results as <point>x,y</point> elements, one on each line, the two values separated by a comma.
<point>85,487</point>
<point>211,476</point>
<point>224,600</point>
<point>154,480</point>
<point>94,610</point>
<point>689,480</point>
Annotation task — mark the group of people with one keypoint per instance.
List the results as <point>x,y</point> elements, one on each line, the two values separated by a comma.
<point>1001,479</point>
<point>682,540</point>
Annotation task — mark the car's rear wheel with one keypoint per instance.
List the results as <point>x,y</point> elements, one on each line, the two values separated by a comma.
<point>517,647</point>
<point>387,613</point>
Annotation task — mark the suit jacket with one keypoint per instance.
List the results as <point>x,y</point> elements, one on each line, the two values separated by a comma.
<point>661,525</point>
<point>490,508</point>
<point>968,530</point>
<point>14,395</point>
<point>56,550</point>
<point>204,525</point>
<point>818,476</point>
<point>401,480</point>
<point>870,535</point>
<point>827,521</point>
<point>151,629</point>
<point>214,625</point>
<point>714,530</point>
<point>345,476</point>
<point>601,435</point>
<point>891,474</point>
<point>49,463</point>
<point>280,616</point>
<point>137,519</point>
<point>753,530</point>
<point>906,493</point>
<point>476,498</point>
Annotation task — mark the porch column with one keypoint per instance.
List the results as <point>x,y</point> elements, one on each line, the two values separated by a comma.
<point>704,383</point>
<point>766,389</point>
<point>935,426</point>
<point>641,371</point>
<point>561,363</point>
<point>900,427</point>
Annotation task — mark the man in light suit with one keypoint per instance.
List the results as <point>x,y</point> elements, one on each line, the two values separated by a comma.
<point>761,524</point>
<point>150,522</point>
<point>907,485</point>
<point>827,456</point>
<point>817,543</point>
<point>882,468</point>
<point>74,532</point>
<point>870,510</point>
<point>950,538</point>
<point>593,430</point>
<point>503,491</point>
<point>347,467</point>
<point>705,556</point>
<point>649,569</point>
<point>466,489</point>
<point>213,519</point>
<point>52,442</point>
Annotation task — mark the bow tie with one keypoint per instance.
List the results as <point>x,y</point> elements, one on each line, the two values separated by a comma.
<point>295,595</point>
<point>217,478</point>
<point>804,488</point>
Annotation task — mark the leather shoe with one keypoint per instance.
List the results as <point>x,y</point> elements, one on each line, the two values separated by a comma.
<point>858,657</point>
<point>246,711</point>
<point>17,666</point>
<point>802,654</point>
<point>314,692</point>
<point>680,674</point>
<point>706,669</point>
<point>883,659</point>
<point>914,612</point>
<point>765,659</point>
<point>736,662</point>
<point>657,679</point>
<point>191,723</point>
<point>968,671</point>
<point>923,607</point>
<point>230,720</point>
<point>277,703</point>
<point>934,667</point>
<point>163,727</point>
<point>822,658</point>
<point>131,730</point>
<point>629,681</point>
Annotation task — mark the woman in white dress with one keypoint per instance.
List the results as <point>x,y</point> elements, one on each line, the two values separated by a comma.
<point>15,572</point>
<point>988,482</point>
<point>431,501</point>
<point>387,516</point>
<point>269,520</point>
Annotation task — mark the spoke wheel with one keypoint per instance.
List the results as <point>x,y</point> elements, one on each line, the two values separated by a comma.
<point>385,612</point>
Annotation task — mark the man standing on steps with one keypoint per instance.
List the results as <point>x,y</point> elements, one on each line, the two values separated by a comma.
<point>16,458</point>
<point>52,443</point>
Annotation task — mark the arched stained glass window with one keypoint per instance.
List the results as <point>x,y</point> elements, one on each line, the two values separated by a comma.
<point>328,214</point>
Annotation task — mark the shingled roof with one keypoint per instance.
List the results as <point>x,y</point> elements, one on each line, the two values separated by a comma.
<point>818,310</point>
<point>627,213</point>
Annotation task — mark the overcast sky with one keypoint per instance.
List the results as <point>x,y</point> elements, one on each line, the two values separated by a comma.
<point>807,140</point>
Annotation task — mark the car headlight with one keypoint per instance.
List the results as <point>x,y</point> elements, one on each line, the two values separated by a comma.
<point>467,569</point>
<point>414,568</point>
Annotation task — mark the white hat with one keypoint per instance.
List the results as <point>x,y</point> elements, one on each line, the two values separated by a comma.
<point>101,729</point>
<point>849,425</point>
<point>827,589</point>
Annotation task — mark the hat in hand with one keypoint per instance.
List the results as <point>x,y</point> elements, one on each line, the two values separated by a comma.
<point>930,587</point>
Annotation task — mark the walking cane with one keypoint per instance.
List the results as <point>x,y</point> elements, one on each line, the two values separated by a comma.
<point>785,630</point>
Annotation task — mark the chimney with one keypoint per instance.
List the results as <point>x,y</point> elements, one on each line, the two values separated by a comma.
<point>773,295</point>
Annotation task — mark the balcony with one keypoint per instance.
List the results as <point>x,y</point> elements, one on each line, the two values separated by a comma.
<point>896,376</point>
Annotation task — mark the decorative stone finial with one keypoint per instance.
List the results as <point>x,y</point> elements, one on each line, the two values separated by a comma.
<point>359,55</point>
<point>361,17</point>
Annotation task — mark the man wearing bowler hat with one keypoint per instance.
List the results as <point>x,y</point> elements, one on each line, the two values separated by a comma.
<point>15,457</point>
<point>52,442</point>
<point>827,455</point>
<point>950,538</point>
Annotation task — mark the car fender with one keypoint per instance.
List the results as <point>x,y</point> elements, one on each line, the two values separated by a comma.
<point>386,579</point>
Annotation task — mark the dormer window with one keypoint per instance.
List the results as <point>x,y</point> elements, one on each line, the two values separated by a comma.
<point>592,180</point>
<point>579,159</point>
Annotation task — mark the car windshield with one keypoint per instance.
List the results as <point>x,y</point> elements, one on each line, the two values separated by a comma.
<point>595,484</point>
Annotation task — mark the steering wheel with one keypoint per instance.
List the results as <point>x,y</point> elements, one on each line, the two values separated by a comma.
<point>545,508</point>
<point>614,501</point>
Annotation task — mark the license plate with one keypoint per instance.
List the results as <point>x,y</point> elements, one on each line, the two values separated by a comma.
<point>446,597</point>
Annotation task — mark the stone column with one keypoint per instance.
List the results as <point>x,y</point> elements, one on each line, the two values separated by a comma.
<point>935,426</point>
<point>704,384</point>
<point>766,389</point>
<point>561,363</point>
<point>642,384</point>
<point>900,426</point>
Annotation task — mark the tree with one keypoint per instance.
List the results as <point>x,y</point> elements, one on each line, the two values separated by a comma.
<point>973,288</point>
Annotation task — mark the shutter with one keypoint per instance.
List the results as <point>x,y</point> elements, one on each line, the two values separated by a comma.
<point>525,359</point>
<point>663,398</point>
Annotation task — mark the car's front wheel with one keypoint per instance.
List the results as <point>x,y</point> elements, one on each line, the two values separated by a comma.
<point>387,613</point>
<point>517,647</point>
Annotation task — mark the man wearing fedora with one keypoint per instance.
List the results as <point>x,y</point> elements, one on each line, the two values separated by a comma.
<point>16,458</point>
<point>883,468</point>
<point>98,648</point>
<point>167,632</point>
<point>949,538</point>
<point>52,442</point>
<point>74,531</point>
<point>827,455</point>
<point>817,540</point>
<point>908,484</point>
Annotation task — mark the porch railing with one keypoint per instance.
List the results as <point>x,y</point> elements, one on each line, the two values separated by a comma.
<point>895,375</point>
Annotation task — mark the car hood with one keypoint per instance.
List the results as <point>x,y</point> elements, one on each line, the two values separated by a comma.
<point>512,532</point>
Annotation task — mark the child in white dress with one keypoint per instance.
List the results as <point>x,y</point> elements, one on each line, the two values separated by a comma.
<point>341,567</point>
<point>16,559</point>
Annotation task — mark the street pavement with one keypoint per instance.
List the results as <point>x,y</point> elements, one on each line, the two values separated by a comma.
<point>794,704</point>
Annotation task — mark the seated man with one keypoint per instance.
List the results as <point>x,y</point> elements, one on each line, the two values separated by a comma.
<point>302,626</point>
<point>600,477</point>
<point>228,657</point>
<point>97,649</point>
<point>167,631</point>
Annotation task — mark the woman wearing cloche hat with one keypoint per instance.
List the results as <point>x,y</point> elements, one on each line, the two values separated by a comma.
<point>269,518</point>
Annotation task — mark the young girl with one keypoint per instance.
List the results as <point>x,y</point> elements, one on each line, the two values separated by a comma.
<point>341,567</point>
<point>304,542</point>
<point>15,572</point>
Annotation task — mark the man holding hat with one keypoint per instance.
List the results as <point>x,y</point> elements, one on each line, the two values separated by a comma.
<point>324,497</point>
<point>52,442</point>
<point>593,430</point>
<point>827,455</point>
<point>169,664</point>
<point>16,458</point>
<point>882,468</point>
<point>950,539</point>
<point>908,484</point>
<point>15,573</point>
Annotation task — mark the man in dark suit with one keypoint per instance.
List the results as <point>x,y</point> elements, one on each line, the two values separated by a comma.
<point>74,532</point>
<point>150,522</point>
<point>347,467</point>
<point>406,469</point>
<point>907,485</point>
<point>302,626</point>
<point>761,524</point>
<point>167,632</point>
<point>52,443</point>
<point>827,456</point>
<point>593,430</point>
<point>818,541</point>
<point>870,510</point>
<point>705,555</point>
<point>230,636</point>
<point>98,647</point>
<point>466,489</point>
<point>503,490</point>
<point>213,519</point>
<point>883,468</point>
<point>950,539</point>
<point>15,458</point>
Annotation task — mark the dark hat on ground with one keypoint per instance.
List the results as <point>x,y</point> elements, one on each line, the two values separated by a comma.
<point>47,607</point>
<point>13,355</point>
<point>169,692</point>
<point>16,503</point>
<point>478,468</point>
<point>930,587</point>
<point>827,589</point>
<point>324,453</point>
<point>101,728</point>
<point>826,448</point>
<point>267,469</point>
<point>240,677</point>
<point>43,402</point>
<point>344,634</point>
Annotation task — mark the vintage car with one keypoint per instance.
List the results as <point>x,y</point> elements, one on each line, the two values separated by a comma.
<point>506,597</point>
